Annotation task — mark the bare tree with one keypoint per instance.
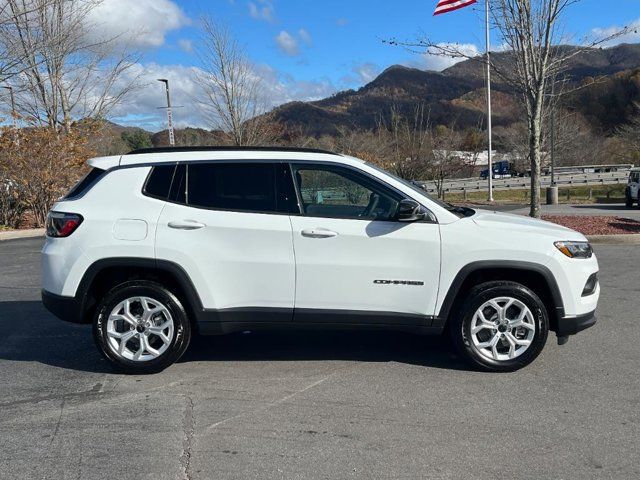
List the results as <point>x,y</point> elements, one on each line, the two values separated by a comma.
<point>630,133</point>
<point>531,31</point>
<point>233,93</point>
<point>447,159</point>
<point>64,72</point>
<point>11,62</point>
<point>408,147</point>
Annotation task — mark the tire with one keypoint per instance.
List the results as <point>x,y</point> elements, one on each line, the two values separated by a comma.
<point>154,326</point>
<point>638,205</point>
<point>628,199</point>
<point>510,352</point>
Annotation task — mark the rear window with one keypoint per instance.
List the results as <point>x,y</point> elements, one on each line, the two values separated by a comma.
<point>84,184</point>
<point>159,181</point>
<point>249,187</point>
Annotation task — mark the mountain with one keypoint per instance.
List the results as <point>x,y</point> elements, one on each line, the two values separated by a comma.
<point>455,97</point>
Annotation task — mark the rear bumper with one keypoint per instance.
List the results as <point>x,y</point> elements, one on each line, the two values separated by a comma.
<point>573,325</point>
<point>65,308</point>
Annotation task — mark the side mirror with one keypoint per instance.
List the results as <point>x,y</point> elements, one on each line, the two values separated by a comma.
<point>409,211</point>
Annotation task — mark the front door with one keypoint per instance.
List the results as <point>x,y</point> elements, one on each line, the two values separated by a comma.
<point>354,262</point>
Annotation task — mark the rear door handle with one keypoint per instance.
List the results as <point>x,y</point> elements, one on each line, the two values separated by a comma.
<point>186,225</point>
<point>318,233</point>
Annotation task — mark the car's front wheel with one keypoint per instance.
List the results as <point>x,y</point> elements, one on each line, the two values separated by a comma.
<point>141,327</point>
<point>502,326</point>
<point>628,198</point>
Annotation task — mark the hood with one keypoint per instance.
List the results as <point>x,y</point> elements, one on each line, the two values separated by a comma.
<point>507,221</point>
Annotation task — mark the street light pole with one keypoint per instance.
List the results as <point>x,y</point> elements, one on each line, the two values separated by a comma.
<point>489,133</point>
<point>172,141</point>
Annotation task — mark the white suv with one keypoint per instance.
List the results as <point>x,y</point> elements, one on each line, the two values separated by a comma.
<point>156,245</point>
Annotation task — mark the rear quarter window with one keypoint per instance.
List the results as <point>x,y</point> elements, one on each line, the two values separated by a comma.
<point>85,184</point>
<point>159,181</point>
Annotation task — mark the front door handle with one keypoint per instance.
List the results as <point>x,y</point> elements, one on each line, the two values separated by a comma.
<point>186,225</point>
<point>318,233</point>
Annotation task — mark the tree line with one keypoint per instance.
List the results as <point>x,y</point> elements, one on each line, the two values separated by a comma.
<point>65,80</point>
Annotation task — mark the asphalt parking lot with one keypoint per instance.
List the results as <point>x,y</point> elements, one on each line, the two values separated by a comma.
<point>310,405</point>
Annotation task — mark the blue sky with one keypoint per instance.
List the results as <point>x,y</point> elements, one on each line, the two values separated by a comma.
<point>302,50</point>
<point>345,35</point>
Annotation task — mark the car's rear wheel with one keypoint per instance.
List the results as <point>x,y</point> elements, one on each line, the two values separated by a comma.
<point>502,326</point>
<point>628,198</point>
<point>141,327</point>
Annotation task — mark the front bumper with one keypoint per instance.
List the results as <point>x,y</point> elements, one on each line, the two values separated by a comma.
<point>68,309</point>
<point>571,325</point>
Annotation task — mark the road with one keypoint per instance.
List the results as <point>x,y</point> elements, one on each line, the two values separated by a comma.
<point>330,405</point>
<point>609,210</point>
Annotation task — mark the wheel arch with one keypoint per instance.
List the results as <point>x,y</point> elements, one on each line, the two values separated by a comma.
<point>532,275</point>
<point>106,273</point>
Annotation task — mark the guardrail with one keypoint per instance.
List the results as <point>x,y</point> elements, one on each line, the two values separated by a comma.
<point>517,183</point>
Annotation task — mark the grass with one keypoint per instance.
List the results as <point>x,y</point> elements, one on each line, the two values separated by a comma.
<point>575,194</point>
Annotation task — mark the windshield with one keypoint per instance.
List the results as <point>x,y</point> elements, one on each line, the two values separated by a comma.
<point>456,210</point>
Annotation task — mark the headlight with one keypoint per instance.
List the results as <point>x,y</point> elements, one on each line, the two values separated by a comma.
<point>575,249</point>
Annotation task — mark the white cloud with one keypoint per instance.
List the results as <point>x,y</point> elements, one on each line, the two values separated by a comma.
<point>361,74</point>
<point>432,59</point>
<point>616,35</point>
<point>282,88</point>
<point>141,23</point>
<point>305,36</point>
<point>262,10</point>
<point>141,108</point>
<point>185,45</point>
<point>287,44</point>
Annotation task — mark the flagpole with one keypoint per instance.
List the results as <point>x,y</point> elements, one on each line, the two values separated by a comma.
<point>489,159</point>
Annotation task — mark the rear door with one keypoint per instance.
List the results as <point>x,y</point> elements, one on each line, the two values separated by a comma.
<point>227,225</point>
<point>356,263</point>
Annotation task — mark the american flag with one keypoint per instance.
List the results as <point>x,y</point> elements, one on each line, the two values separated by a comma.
<point>445,6</point>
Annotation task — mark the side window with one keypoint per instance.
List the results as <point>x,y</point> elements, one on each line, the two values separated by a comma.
<point>84,184</point>
<point>249,187</point>
<point>159,181</point>
<point>340,193</point>
<point>635,177</point>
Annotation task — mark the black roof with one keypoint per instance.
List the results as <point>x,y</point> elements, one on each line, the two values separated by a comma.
<point>227,149</point>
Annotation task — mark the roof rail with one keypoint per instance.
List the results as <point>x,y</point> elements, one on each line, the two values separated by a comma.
<point>226,149</point>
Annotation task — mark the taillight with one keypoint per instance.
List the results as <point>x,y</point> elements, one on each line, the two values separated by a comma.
<point>61,224</point>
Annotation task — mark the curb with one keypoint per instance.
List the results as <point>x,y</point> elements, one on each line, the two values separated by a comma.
<point>27,233</point>
<point>623,239</point>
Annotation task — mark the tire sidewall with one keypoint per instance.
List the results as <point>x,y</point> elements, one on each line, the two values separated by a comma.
<point>182,327</point>
<point>477,298</point>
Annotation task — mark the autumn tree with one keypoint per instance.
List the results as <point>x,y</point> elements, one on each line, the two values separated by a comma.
<point>39,165</point>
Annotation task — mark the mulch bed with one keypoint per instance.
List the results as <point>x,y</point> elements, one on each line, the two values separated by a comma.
<point>595,225</point>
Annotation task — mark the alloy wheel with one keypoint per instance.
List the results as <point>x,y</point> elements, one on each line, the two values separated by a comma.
<point>140,329</point>
<point>502,328</point>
